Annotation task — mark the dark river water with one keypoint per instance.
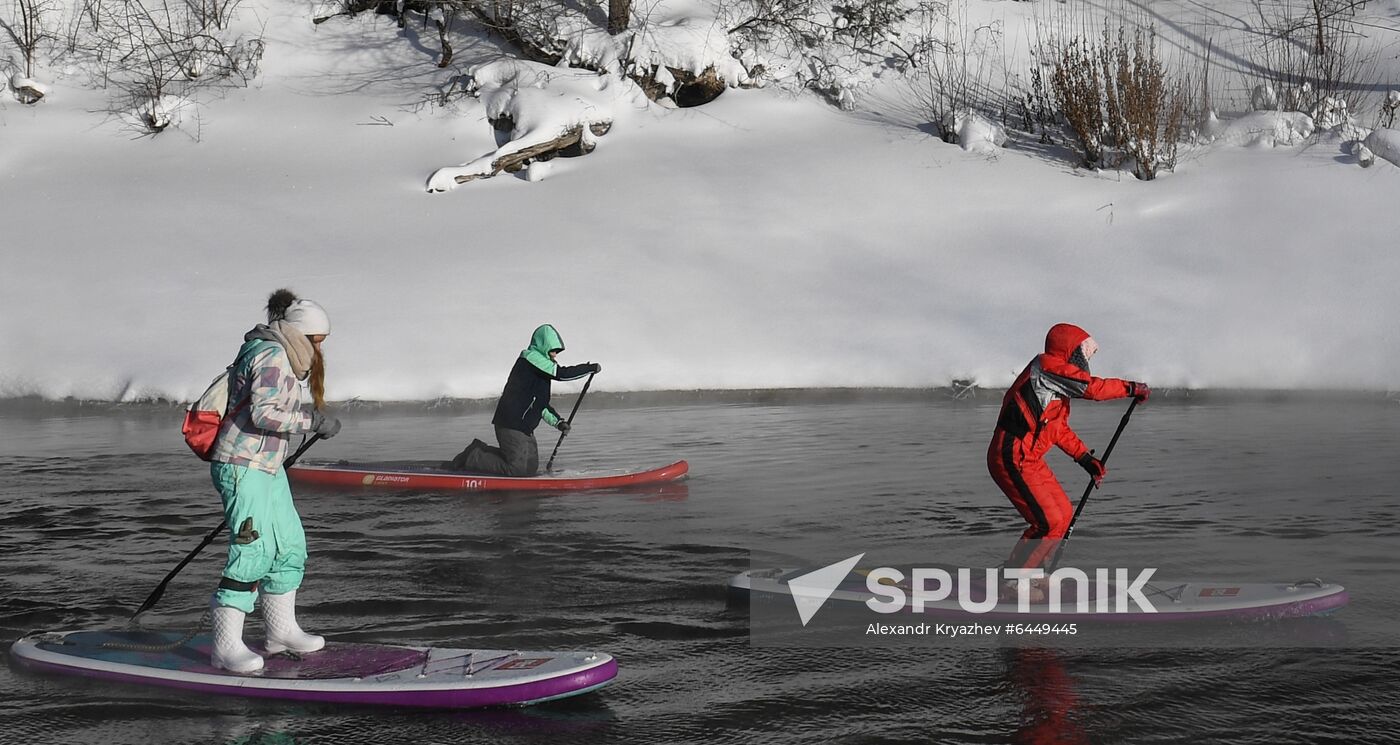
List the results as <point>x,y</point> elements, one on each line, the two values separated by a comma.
<point>98,503</point>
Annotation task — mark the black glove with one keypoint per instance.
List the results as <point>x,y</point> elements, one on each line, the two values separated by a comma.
<point>325,426</point>
<point>597,368</point>
<point>563,426</point>
<point>1094,466</point>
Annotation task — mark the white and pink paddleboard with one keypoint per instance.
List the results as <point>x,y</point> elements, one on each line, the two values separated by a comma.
<point>351,673</point>
<point>1172,600</point>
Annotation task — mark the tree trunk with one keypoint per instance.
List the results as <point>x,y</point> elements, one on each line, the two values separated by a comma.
<point>619,15</point>
<point>442,37</point>
<point>1317,17</point>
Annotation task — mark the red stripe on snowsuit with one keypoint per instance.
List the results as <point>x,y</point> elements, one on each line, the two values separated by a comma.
<point>1034,417</point>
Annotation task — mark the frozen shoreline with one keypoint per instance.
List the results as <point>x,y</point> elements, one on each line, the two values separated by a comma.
<point>760,241</point>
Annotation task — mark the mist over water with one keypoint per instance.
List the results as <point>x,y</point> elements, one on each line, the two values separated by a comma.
<point>96,508</point>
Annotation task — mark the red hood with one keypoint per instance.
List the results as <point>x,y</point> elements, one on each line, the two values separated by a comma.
<point>1063,339</point>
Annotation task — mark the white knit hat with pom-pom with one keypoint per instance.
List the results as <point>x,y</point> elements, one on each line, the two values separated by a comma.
<point>309,317</point>
<point>306,315</point>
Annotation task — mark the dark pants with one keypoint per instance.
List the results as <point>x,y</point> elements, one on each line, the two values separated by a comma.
<point>518,455</point>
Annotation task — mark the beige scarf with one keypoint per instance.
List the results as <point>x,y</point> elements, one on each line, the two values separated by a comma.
<point>298,347</point>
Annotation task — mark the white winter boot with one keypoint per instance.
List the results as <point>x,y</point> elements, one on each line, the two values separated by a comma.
<point>230,653</point>
<point>283,633</point>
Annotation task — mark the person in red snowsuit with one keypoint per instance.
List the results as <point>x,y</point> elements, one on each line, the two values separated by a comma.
<point>1034,416</point>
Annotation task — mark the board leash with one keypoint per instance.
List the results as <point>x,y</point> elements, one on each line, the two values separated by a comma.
<point>135,647</point>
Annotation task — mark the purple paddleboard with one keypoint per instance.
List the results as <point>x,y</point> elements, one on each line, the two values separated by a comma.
<point>427,677</point>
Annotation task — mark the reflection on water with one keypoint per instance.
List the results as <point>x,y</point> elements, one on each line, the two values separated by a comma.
<point>1050,698</point>
<point>94,510</point>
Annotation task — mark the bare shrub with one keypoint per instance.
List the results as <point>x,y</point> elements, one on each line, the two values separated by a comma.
<point>1040,114</point>
<point>531,26</point>
<point>950,69</point>
<point>1078,85</point>
<point>1385,117</point>
<point>1311,53</point>
<point>1319,24</point>
<point>213,13</point>
<point>831,43</point>
<point>1118,97</point>
<point>28,28</point>
<point>1146,106</point>
<point>154,48</point>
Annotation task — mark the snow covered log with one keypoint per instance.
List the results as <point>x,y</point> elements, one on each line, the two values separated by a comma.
<point>548,110</point>
<point>571,142</point>
<point>27,90</point>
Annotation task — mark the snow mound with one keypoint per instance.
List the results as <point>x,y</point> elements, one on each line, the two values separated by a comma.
<point>691,44</point>
<point>976,133</point>
<point>686,43</point>
<point>1384,143</point>
<point>157,114</point>
<point>1264,129</point>
<point>1331,112</point>
<point>543,101</point>
<point>1364,156</point>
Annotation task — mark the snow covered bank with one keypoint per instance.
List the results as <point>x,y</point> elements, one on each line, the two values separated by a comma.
<point>759,241</point>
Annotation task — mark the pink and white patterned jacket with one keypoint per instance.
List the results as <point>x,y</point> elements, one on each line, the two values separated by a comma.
<point>266,405</point>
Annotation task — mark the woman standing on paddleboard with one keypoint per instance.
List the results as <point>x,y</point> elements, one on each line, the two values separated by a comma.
<point>1034,416</point>
<point>276,389</point>
<point>524,402</point>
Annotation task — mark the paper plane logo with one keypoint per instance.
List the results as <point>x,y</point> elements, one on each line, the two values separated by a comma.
<point>811,590</point>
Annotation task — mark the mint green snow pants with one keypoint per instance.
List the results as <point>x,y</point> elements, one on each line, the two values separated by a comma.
<point>271,550</point>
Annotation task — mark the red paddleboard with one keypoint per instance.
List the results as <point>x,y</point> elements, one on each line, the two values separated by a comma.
<point>430,475</point>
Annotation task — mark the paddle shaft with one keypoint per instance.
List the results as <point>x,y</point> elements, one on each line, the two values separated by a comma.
<point>550,465</point>
<point>156,594</point>
<point>1122,424</point>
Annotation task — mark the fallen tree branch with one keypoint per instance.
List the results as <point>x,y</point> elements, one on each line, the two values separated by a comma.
<point>570,143</point>
<point>517,160</point>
